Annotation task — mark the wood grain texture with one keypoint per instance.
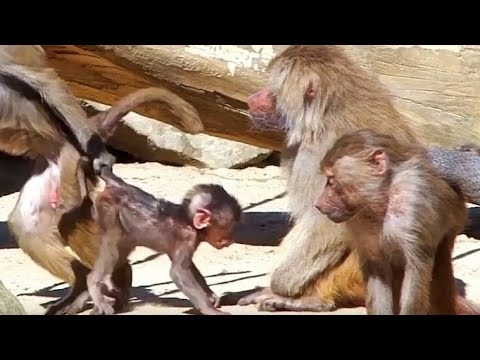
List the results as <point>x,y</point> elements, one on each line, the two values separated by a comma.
<point>438,90</point>
<point>106,73</point>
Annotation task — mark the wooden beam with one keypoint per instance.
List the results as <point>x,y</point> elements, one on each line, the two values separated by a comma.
<point>106,73</point>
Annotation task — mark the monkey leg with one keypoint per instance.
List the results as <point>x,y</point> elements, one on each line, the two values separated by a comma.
<point>313,247</point>
<point>78,296</point>
<point>76,300</point>
<point>46,248</point>
<point>342,286</point>
<point>85,242</point>
<point>279,303</point>
<point>48,251</point>
<point>122,279</point>
<point>443,293</point>
<point>271,302</point>
<point>32,223</point>
<point>318,264</point>
<point>444,297</point>
<point>109,255</point>
<point>257,297</point>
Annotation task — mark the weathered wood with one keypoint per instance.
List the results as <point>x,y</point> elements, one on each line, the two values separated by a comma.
<point>106,73</point>
<point>437,89</point>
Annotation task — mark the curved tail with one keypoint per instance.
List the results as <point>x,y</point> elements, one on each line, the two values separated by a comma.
<point>188,115</point>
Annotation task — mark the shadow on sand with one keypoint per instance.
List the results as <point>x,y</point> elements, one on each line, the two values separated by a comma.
<point>472,229</point>
<point>257,229</point>
<point>6,241</point>
<point>144,295</point>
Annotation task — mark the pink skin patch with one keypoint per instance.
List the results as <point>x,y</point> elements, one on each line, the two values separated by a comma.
<point>262,102</point>
<point>311,93</point>
<point>53,197</point>
<point>262,107</point>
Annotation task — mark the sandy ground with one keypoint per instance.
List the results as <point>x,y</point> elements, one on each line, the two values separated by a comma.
<point>229,272</point>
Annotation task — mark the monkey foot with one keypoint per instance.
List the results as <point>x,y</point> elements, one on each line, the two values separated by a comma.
<point>213,311</point>
<point>268,301</point>
<point>256,298</point>
<point>280,303</point>
<point>104,307</point>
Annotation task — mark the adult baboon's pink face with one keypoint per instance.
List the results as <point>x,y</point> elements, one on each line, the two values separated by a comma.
<point>262,107</point>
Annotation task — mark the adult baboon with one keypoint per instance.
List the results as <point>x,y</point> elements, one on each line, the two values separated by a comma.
<point>317,94</point>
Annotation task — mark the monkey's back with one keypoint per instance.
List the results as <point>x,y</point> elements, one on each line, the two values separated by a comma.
<point>460,169</point>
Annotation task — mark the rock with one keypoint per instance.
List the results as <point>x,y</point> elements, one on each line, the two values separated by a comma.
<point>151,140</point>
<point>9,304</point>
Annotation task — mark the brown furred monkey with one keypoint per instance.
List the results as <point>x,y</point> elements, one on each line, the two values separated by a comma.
<point>405,218</point>
<point>318,93</point>
<point>52,211</point>
<point>129,217</point>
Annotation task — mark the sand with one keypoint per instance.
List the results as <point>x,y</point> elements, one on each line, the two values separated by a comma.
<point>229,272</point>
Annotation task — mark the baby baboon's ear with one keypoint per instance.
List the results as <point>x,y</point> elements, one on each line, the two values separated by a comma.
<point>202,218</point>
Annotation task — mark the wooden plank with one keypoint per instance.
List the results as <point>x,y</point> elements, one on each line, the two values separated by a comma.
<point>438,90</point>
<point>100,74</point>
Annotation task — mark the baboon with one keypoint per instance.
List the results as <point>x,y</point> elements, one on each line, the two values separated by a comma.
<point>406,218</point>
<point>129,217</point>
<point>317,93</point>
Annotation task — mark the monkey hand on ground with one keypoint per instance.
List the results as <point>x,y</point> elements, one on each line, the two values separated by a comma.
<point>215,300</point>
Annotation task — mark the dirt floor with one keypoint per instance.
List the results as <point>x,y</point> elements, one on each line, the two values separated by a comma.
<point>229,272</point>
